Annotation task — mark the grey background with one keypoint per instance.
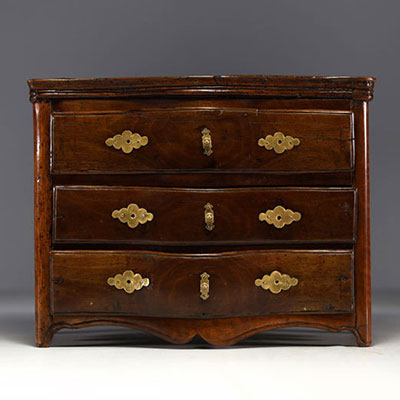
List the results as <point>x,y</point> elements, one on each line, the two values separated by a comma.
<point>50,39</point>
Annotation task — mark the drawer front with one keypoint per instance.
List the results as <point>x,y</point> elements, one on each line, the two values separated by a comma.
<point>202,139</point>
<point>167,216</point>
<point>179,285</point>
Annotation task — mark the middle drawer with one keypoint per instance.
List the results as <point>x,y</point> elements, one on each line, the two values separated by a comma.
<point>175,216</point>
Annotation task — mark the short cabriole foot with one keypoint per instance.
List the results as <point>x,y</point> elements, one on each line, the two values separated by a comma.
<point>44,337</point>
<point>363,336</point>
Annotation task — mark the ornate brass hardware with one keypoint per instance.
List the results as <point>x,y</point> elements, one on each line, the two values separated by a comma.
<point>279,217</point>
<point>209,217</point>
<point>279,142</point>
<point>127,141</point>
<point>207,142</point>
<point>204,286</point>
<point>128,281</point>
<point>276,282</point>
<point>132,215</point>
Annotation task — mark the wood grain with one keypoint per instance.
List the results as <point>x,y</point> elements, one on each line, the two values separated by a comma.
<point>211,179</point>
<point>329,181</point>
<point>132,104</point>
<point>42,216</point>
<point>83,214</point>
<point>175,141</point>
<point>360,88</point>
<point>362,246</point>
<point>325,283</point>
<point>216,331</point>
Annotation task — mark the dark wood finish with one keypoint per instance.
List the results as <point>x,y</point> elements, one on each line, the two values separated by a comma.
<point>83,214</point>
<point>80,283</point>
<point>175,140</point>
<point>360,88</point>
<point>362,247</point>
<point>72,99</point>
<point>216,331</point>
<point>205,248</point>
<point>131,104</point>
<point>214,179</point>
<point>43,213</point>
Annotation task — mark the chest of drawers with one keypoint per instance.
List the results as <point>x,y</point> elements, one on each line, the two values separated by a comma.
<point>212,206</point>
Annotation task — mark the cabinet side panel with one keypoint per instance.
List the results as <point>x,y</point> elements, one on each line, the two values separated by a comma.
<point>362,248</point>
<point>42,216</point>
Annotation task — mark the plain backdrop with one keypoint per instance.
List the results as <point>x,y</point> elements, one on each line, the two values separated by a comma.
<point>117,38</point>
<point>78,38</point>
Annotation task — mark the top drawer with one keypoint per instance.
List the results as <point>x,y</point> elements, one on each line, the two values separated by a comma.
<point>213,139</point>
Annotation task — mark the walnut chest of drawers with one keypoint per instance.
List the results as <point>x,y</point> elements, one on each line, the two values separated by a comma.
<point>213,206</point>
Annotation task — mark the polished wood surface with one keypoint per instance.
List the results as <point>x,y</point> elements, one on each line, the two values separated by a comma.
<point>42,216</point>
<point>214,179</point>
<point>79,279</point>
<point>216,331</point>
<point>101,105</point>
<point>358,88</point>
<point>83,214</point>
<point>175,140</point>
<point>79,181</point>
<point>209,177</point>
<point>362,246</point>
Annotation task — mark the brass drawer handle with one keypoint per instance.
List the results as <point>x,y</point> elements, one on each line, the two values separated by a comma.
<point>279,217</point>
<point>209,217</point>
<point>206,141</point>
<point>276,282</point>
<point>132,215</point>
<point>279,142</point>
<point>204,286</point>
<point>128,281</point>
<point>127,141</point>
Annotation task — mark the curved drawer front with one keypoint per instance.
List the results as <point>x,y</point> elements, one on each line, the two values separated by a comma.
<point>179,285</point>
<point>166,216</point>
<point>202,139</point>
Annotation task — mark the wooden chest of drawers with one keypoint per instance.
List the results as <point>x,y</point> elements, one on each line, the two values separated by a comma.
<point>211,206</point>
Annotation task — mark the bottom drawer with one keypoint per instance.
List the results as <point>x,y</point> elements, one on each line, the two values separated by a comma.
<point>174,285</point>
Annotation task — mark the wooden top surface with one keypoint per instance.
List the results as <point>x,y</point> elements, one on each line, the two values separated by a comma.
<point>359,88</point>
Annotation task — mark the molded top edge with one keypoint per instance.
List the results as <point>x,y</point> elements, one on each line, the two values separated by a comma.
<point>360,88</point>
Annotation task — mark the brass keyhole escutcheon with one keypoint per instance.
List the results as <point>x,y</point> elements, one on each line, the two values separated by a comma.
<point>204,286</point>
<point>206,142</point>
<point>209,217</point>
